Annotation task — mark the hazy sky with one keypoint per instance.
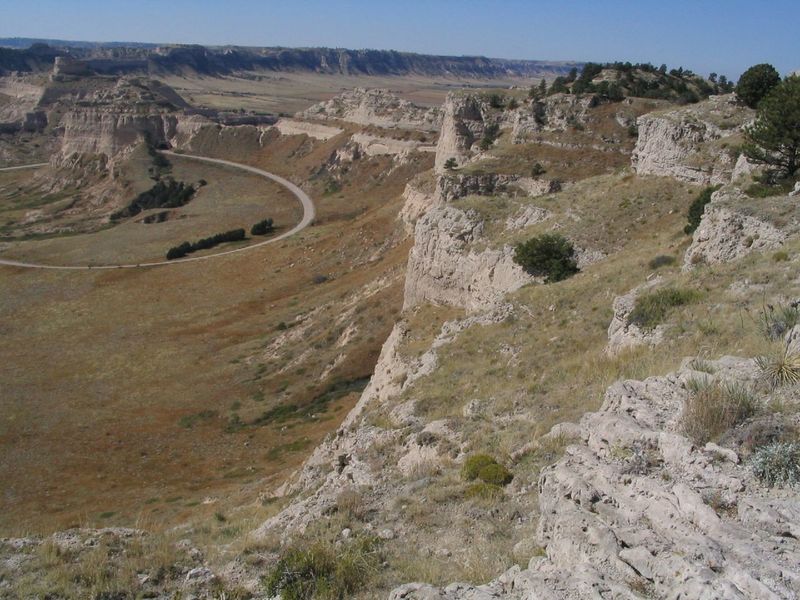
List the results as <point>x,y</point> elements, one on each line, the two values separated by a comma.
<point>704,35</point>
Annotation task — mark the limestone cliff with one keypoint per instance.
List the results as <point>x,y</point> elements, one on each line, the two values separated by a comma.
<point>689,143</point>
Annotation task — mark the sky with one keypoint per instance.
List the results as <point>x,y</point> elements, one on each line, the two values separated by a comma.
<point>723,36</point>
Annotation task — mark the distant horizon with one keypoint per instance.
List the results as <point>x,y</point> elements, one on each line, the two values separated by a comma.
<point>701,35</point>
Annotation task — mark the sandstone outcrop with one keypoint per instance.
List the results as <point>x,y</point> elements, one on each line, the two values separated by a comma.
<point>726,232</point>
<point>375,107</point>
<point>443,270</point>
<point>462,126</point>
<point>680,143</point>
<point>373,145</point>
<point>634,507</point>
<point>554,113</point>
<point>623,334</point>
<point>313,130</point>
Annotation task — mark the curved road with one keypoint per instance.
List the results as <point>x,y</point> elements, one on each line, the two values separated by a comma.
<point>305,201</point>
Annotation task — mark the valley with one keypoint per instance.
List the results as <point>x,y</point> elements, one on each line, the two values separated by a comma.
<point>522,329</point>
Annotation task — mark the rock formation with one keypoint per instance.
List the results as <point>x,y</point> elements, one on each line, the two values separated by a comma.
<point>375,107</point>
<point>314,130</point>
<point>726,232</point>
<point>622,333</point>
<point>442,269</point>
<point>462,126</point>
<point>679,143</point>
<point>635,507</point>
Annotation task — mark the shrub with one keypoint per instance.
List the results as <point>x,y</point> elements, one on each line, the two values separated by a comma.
<point>490,134</point>
<point>549,255</point>
<point>450,164</point>
<point>662,260</point>
<point>484,491</point>
<point>167,193</point>
<point>486,469</point>
<point>775,321</point>
<point>234,235</point>
<point>263,227</point>
<point>780,256</point>
<point>697,207</point>
<point>495,474</point>
<point>780,368</point>
<point>768,189</point>
<point>777,464</point>
<point>652,309</point>
<point>711,410</point>
<point>323,571</point>
<point>473,465</point>
<point>537,169</point>
<point>756,82</point>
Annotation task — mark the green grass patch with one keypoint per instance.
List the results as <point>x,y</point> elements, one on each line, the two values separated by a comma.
<point>651,309</point>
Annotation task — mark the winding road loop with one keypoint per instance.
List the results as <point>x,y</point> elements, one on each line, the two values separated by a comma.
<point>305,201</point>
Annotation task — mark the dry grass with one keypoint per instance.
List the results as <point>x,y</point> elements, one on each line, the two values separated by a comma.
<point>100,368</point>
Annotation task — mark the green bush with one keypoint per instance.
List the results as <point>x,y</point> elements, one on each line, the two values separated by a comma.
<point>549,255</point>
<point>652,309</point>
<point>234,235</point>
<point>167,193</point>
<point>450,164</point>
<point>777,464</point>
<point>495,474</point>
<point>263,227</point>
<point>323,571</point>
<point>697,207</point>
<point>486,469</point>
<point>473,465</point>
<point>662,260</point>
<point>537,169</point>
<point>755,83</point>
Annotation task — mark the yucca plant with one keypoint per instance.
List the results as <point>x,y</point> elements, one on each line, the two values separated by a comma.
<point>781,368</point>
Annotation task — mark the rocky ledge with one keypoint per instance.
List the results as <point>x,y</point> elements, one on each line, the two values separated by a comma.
<point>636,509</point>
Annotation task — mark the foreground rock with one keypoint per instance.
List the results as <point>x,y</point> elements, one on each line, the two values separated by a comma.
<point>636,509</point>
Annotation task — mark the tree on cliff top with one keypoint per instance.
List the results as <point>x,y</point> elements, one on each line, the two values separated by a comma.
<point>774,138</point>
<point>756,83</point>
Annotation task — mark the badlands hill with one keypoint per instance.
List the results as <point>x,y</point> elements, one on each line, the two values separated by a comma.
<point>611,435</point>
<point>200,60</point>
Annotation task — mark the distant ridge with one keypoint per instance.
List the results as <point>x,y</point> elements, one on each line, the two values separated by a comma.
<point>28,54</point>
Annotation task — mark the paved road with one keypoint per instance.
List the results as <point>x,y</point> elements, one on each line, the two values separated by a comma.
<point>33,166</point>
<point>308,217</point>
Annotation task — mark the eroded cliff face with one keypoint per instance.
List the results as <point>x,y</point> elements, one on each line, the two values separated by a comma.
<point>462,126</point>
<point>113,120</point>
<point>375,107</point>
<point>635,505</point>
<point>442,269</point>
<point>732,227</point>
<point>689,143</point>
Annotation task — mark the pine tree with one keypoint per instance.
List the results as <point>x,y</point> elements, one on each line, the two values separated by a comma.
<point>774,138</point>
